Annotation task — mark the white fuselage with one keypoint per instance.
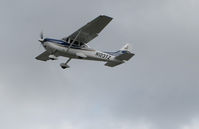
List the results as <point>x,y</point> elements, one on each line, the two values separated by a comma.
<point>85,52</point>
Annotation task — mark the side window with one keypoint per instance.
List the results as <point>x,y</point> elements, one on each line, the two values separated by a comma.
<point>84,46</point>
<point>76,43</point>
<point>67,40</point>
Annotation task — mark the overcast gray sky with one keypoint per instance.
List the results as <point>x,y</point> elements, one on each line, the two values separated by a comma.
<point>157,89</point>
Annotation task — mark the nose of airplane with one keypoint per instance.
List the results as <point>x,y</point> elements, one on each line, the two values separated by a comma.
<point>41,40</point>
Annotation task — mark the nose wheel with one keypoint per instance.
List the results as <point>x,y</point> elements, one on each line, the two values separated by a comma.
<point>65,65</point>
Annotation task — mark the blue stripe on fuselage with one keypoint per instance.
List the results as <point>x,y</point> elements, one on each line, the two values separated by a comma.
<point>61,42</point>
<point>117,53</point>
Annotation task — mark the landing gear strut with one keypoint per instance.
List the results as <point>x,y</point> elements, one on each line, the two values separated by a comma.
<point>64,65</point>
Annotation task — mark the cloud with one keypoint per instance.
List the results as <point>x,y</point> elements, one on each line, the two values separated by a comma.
<point>158,88</point>
<point>192,125</point>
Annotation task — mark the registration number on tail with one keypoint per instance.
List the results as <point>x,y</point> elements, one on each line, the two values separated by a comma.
<point>102,55</point>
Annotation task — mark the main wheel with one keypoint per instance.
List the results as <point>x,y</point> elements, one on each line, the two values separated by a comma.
<point>63,66</point>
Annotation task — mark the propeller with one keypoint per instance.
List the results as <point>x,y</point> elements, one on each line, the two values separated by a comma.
<point>41,37</point>
<point>41,40</point>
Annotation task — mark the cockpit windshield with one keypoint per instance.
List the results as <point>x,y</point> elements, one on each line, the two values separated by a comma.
<point>76,43</point>
<point>85,46</point>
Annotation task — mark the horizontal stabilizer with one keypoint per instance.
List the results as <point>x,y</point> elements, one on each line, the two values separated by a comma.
<point>125,56</point>
<point>43,56</point>
<point>113,64</point>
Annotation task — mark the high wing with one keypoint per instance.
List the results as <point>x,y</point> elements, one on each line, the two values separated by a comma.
<point>43,56</point>
<point>90,30</point>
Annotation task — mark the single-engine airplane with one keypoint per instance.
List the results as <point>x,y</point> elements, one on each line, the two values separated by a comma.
<point>75,46</point>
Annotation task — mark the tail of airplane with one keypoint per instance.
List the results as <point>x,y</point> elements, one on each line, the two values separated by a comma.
<point>127,47</point>
<point>122,55</point>
<point>125,53</point>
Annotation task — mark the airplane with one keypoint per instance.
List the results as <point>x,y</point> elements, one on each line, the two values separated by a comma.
<point>75,46</point>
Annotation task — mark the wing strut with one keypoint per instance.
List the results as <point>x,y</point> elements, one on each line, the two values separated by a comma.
<point>73,41</point>
<point>65,65</point>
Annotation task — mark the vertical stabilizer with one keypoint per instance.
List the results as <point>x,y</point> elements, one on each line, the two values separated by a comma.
<point>127,47</point>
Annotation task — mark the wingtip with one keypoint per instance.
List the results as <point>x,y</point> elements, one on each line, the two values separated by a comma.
<point>106,16</point>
